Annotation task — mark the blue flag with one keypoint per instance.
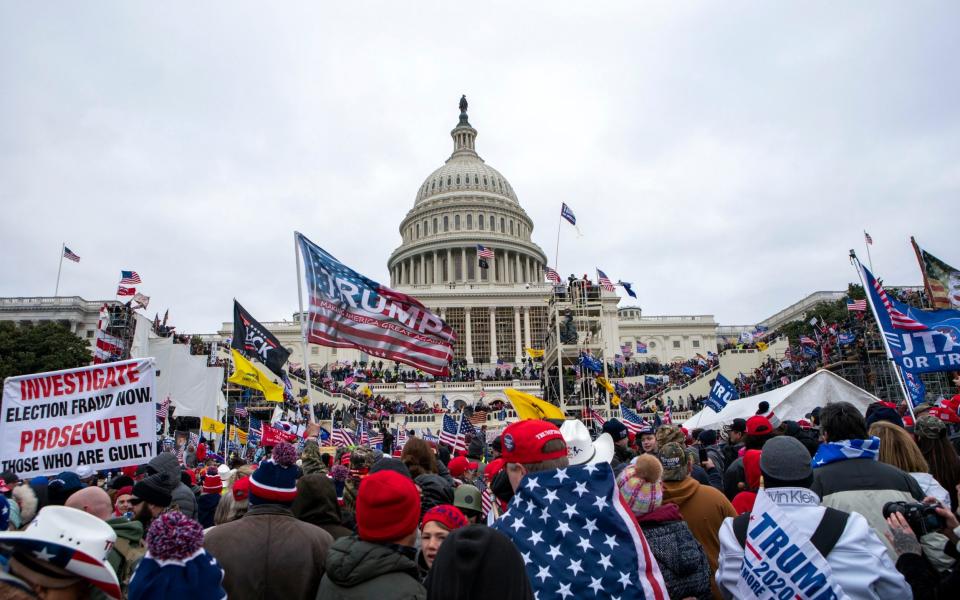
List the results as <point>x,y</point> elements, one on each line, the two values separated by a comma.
<point>567,214</point>
<point>845,339</point>
<point>577,537</point>
<point>808,351</point>
<point>688,371</point>
<point>915,387</point>
<point>627,287</point>
<point>648,380</point>
<point>591,363</point>
<point>920,341</point>
<point>723,391</point>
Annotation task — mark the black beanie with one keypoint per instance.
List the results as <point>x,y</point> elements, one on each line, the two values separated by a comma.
<point>477,562</point>
<point>153,489</point>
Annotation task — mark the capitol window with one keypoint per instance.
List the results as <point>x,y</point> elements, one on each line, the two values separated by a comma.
<point>503,225</point>
<point>448,181</point>
<point>511,227</point>
<point>484,180</point>
<point>469,221</point>
<point>676,344</point>
<point>652,345</point>
<point>456,222</point>
<point>476,180</point>
<point>446,223</point>
<point>480,221</point>
<point>434,224</point>
<point>696,343</point>
<point>418,229</point>
<point>493,223</point>
<point>458,180</point>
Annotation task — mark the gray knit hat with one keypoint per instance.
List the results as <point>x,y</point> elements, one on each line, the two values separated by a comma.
<point>784,458</point>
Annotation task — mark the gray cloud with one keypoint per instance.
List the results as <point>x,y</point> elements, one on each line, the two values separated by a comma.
<point>722,157</point>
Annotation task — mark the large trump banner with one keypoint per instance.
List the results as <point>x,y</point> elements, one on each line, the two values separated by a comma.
<point>102,417</point>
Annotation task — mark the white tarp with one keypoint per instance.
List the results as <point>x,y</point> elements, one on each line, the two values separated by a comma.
<point>791,402</point>
<point>194,389</point>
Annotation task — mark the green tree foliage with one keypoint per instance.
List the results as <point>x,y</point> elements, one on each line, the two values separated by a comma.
<point>49,346</point>
<point>829,312</point>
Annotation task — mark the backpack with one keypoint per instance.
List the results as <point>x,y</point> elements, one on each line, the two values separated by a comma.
<point>824,538</point>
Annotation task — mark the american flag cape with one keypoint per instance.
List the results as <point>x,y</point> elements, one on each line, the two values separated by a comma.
<point>348,310</point>
<point>578,538</point>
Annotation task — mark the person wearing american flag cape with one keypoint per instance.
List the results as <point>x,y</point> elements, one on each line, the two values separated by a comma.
<point>572,527</point>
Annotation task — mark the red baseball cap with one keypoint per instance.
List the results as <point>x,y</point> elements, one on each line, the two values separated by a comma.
<point>460,465</point>
<point>493,467</point>
<point>759,425</point>
<point>523,442</point>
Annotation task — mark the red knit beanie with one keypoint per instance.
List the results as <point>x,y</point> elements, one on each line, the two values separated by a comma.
<point>388,507</point>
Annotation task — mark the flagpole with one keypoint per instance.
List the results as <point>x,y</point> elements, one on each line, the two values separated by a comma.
<point>63,247</point>
<point>869,259</point>
<point>303,330</point>
<point>923,272</point>
<point>556,255</point>
<point>886,344</point>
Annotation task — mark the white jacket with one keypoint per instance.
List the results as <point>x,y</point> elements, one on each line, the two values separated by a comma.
<point>859,561</point>
<point>932,487</point>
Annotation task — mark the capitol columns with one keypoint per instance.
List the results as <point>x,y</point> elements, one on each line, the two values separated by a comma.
<point>493,335</point>
<point>463,266</point>
<point>423,268</point>
<point>518,274</point>
<point>468,354</point>
<point>449,266</point>
<point>516,334</point>
<point>526,327</point>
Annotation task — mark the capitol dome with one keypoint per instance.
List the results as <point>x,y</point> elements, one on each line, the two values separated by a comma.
<point>462,205</point>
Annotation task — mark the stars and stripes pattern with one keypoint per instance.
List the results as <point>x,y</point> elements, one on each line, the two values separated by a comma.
<point>605,282</point>
<point>348,310</point>
<point>129,277</point>
<point>898,319</point>
<point>362,437</point>
<point>484,252</point>
<point>163,408</point>
<point>868,238</point>
<point>806,340</point>
<point>256,427</point>
<point>69,255</point>
<point>77,562</point>
<point>400,437</point>
<point>552,275</point>
<point>632,420</point>
<point>342,437</point>
<point>478,418</point>
<point>668,415</point>
<point>856,305</point>
<point>241,412</point>
<point>486,500</point>
<point>598,418</point>
<point>578,539</point>
<point>450,434</point>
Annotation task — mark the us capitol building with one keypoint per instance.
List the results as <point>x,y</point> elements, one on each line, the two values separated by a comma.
<point>496,312</point>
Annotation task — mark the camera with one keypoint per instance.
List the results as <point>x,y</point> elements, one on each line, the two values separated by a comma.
<point>922,518</point>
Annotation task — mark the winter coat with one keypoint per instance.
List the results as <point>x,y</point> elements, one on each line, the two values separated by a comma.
<point>682,562</point>
<point>183,496</point>
<point>858,561</point>
<point>268,553</point>
<point>734,475</point>
<point>931,487</point>
<point>703,508</point>
<point>207,508</point>
<point>434,490</point>
<point>359,570</point>
<point>128,549</point>
<point>478,563</point>
<point>316,503</point>
<point>864,486</point>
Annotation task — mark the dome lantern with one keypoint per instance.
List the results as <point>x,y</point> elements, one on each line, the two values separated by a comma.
<point>464,136</point>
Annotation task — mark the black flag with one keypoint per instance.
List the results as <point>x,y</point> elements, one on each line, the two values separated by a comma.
<point>483,264</point>
<point>252,339</point>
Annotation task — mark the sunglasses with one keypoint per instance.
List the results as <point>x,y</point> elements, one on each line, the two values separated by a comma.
<point>135,501</point>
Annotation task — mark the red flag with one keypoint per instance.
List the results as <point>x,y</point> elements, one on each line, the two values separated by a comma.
<point>126,291</point>
<point>273,436</point>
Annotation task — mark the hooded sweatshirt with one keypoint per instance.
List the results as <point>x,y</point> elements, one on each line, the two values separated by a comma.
<point>703,508</point>
<point>316,503</point>
<point>183,497</point>
<point>357,570</point>
<point>478,562</point>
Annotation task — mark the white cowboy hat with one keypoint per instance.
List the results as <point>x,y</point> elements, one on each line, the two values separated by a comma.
<point>72,540</point>
<point>580,449</point>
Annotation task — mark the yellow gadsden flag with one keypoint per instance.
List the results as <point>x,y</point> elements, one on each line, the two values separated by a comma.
<point>762,346</point>
<point>247,375</point>
<point>531,407</point>
<point>614,398</point>
<point>534,353</point>
<point>211,425</point>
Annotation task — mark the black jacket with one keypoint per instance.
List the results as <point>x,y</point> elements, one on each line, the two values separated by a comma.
<point>359,570</point>
<point>316,503</point>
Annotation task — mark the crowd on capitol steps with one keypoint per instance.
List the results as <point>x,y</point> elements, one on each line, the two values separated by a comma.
<point>841,504</point>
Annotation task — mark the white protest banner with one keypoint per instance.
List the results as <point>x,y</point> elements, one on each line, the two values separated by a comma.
<point>102,416</point>
<point>781,563</point>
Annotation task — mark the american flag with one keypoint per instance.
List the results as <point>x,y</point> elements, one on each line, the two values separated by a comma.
<point>163,408</point>
<point>486,499</point>
<point>667,416</point>
<point>376,439</point>
<point>600,420</point>
<point>348,310</point>
<point>605,282</point>
<point>128,277</point>
<point>484,252</point>
<point>256,429</point>
<point>342,437</point>
<point>632,420</point>
<point>898,319</point>
<point>194,439</point>
<point>856,305</point>
<point>478,418</point>
<point>867,238</point>
<point>450,434</point>
<point>69,255</point>
<point>806,340</point>
<point>241,412</point>
<point>577,537</point>
<point>400,437</point>
<point>552,275</point>
<point>126,291</point>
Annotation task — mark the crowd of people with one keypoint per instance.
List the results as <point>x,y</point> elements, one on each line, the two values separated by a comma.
<point>860,505</point>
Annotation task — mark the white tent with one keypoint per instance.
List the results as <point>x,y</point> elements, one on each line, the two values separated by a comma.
<point>791,402</point>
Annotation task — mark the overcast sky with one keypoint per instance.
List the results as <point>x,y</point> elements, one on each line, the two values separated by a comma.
<point>722,156</point>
